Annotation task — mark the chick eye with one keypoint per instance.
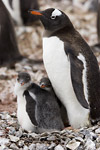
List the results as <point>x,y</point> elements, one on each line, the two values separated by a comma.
<point>53,17</point>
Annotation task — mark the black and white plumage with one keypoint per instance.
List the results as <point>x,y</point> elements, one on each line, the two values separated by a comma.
<point>9,52</point>
<point>19,10</point>
<point>22,83</point>
<point>71,67</point>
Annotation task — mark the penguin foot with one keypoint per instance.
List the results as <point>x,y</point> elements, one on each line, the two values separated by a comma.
<point>69,128</point>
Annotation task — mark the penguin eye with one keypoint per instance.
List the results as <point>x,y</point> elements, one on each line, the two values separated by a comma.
<point>53,17</point>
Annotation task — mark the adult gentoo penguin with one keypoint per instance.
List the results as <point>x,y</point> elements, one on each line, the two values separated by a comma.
<point>71,67</point>
<point>19,10</point>
<point>22,83</point>
<point>8,45</point>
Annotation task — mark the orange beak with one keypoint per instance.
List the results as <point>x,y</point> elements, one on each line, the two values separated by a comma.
<point>35,12</point>
<point>43,86</point>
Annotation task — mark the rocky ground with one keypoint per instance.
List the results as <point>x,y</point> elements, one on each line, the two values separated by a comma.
<point>12,137</point>
<point>30,45</point>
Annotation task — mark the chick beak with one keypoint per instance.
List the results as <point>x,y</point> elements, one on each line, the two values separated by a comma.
<point>22,83</point>
<point>42,86</point>
<point>35,12</point>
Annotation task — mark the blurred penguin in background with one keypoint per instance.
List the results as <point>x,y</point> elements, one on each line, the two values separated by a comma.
<point>98,21</point>
<point>91,5</point>
<point>19,10</point>
<point>96,47</point>
<point>9,53</point>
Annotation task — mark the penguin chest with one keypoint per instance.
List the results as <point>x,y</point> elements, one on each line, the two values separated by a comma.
<point>57,65</point>
<point>22,115</point>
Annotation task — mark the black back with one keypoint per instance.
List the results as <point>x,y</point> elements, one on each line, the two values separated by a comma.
<point>30,107</point>
<point>8,45</point>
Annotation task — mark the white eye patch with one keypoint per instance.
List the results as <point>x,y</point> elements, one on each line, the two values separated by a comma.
<point>55,13</point>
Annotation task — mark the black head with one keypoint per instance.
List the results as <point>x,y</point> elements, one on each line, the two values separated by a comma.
<point>23,78</point>
<point>45,83</point>
<point>52,19</point>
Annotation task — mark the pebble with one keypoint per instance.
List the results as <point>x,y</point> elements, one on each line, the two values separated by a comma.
<point>11,130</point>
<point>90,145</point>
<point>52,146</point>
<point>3,141</point>
<point>32,147</point>
<point>14,138</point>
<point>1,133</point>
<point>59,147</point>
<point>41,147</point>
<point>51,138</point>
<point>98,146</point>
<point>13,146</point>
<point>73,145</point>
<point>19,133</point>
<point>21,143</point>
<point>98,139</point>
<point>97,131</point>
<point>25,147</point>
<point>79,139</point>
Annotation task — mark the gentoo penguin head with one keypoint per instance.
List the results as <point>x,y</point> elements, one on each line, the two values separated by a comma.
<point>23,79</point>
<point>45,84</point>
<point>52,19</point>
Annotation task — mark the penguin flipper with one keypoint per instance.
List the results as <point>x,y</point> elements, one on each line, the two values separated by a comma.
<point>30,107</point>
<point>76,77</point>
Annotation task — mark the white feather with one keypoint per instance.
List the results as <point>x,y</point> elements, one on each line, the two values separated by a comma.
<point>32,95</point>
<point>57,66</point>
<point>15,12</point>
<point>22,115</point>
<point>56,12</point>
<point>84,77</point>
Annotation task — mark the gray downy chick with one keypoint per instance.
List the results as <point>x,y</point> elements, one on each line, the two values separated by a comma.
<point>46,84</point>
<point>47,112</point>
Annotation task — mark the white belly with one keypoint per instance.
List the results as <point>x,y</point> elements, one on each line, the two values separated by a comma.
<point>57,65</point>
<point>22,115</point>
